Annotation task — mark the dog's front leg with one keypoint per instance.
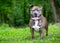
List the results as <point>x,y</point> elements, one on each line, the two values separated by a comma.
<point>32,33</point>
<point>41,33</point>
<point>32,29</point>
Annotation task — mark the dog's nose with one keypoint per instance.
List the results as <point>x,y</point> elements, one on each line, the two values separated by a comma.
<point>35,14</point>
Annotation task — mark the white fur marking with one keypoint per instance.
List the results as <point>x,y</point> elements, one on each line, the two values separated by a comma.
<point>36,27</point>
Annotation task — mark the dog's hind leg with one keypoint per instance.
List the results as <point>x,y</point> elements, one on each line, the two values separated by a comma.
<point>47,31</point>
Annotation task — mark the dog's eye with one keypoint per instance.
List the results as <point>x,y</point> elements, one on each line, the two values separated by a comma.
<point>37,10</point>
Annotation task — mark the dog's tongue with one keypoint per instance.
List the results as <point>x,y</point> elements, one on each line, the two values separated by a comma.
<point>35,18</point>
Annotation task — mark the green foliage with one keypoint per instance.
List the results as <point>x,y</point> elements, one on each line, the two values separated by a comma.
<point>19,35</point>
<point>16,12</point>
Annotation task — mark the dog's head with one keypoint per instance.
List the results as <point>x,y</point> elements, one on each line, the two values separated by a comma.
<point>35,11</point>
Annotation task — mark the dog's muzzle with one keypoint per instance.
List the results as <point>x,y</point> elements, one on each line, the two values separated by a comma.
<point>35,14</point>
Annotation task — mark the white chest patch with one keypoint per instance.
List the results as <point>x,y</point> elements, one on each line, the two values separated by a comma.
<point>36,27</point>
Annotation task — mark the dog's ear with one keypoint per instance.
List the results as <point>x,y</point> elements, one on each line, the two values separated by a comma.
<point>31,5</point>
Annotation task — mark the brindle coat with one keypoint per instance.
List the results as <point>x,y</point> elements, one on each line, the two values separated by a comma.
<point>44,24</point>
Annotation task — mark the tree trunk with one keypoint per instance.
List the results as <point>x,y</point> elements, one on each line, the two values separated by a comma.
<point>54,9</point>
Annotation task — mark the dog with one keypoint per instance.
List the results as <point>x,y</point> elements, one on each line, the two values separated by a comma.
<point>37,21</point>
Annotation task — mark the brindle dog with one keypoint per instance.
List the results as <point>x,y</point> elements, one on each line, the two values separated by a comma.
<point>37,21</point>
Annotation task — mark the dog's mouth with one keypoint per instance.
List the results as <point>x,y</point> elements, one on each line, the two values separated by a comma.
<point>35,18</point>
<point>35,14</point>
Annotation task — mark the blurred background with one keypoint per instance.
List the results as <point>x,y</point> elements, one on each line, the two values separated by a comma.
<point>16,12</point>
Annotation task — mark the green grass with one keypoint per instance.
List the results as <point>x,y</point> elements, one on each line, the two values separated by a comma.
<point>19,35</point>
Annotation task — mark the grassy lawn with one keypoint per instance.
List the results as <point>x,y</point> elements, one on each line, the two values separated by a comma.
<point>19,35</point>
